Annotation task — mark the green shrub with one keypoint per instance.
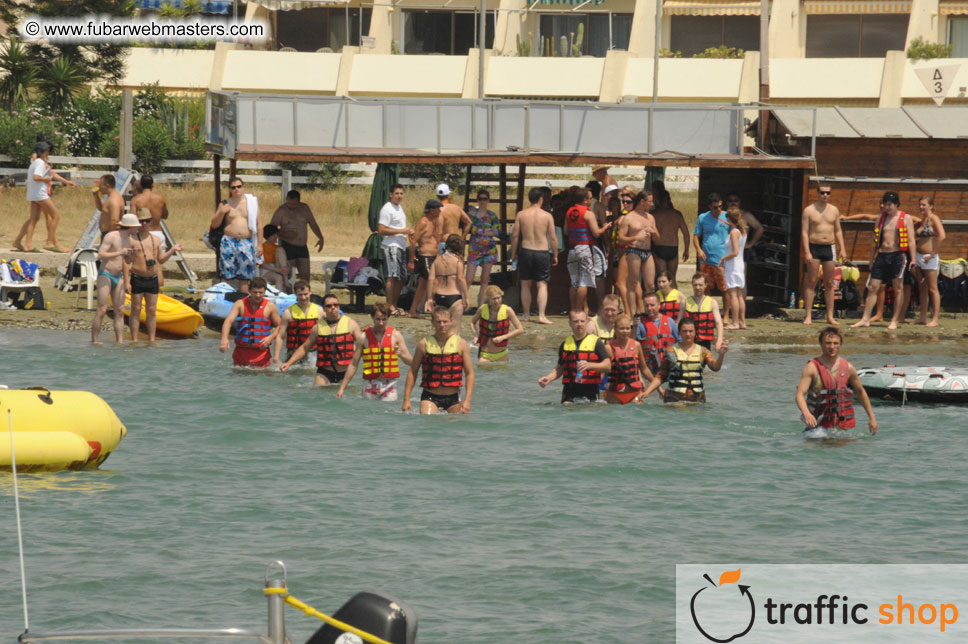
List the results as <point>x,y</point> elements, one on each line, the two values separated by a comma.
<point>152,145</point>
<point>150,101</point>
<point>668,53</point>
<point>920,49</point>
<point>19,130</point>
<point>452,174</point>
<point>721,52</point>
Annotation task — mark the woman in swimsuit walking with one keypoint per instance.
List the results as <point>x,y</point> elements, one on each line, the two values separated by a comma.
<point>929,235</point>
<point>448,287</point>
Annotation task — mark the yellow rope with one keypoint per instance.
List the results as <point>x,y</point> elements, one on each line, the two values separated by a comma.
<point>312,612</point>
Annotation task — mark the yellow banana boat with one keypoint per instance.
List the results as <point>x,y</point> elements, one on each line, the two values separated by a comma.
<point>57,430</point>
<point>174,317</point>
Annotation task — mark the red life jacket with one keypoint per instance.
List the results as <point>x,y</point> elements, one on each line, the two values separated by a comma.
<point>252,326</point>
<point>442,367</point>
<point>656,340</point>
<point>833,405</point>
<point>703,315</point>
<point>578,232</point>
<point>301,325</point>
<point>624,375</point>
<point>669,305</point>
<point>902,237</point>
<point>379,358</point>
<point>493,328</point>
<point>334,347</point>
<point>572,353</point>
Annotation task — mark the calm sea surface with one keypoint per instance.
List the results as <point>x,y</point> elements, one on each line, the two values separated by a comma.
<point>524,521</point>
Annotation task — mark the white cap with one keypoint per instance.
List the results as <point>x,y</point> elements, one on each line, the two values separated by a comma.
<point>443,190</point>
<point>610,188</point>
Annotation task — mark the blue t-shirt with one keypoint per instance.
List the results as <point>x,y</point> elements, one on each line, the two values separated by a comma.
<point>714,232</point>
<point>673,328</point>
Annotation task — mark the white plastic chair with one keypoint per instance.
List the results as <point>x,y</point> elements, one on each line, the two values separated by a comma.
<point>87,262</point>
<point>9,285</point>
<point>328,269</point>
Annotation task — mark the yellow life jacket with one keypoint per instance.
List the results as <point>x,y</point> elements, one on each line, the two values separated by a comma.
<point>685,377</point>
<point>334,347</point>
<point>602,333</point>
<point>301,325</point>
<point>703,315</point>
<point>573,354</point>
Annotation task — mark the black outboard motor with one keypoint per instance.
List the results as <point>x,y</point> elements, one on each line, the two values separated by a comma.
<point>385,617</point>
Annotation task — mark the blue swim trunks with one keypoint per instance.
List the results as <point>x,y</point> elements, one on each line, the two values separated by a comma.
<point>237,258</point>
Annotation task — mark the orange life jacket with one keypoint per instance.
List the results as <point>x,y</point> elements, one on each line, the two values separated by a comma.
<point>578,231</point>
<point>252,326</point>
<point>379,358</point>
<point>656,340</point>
<point>902,236</point>
<point>833,404</point>
<point>624,375</point>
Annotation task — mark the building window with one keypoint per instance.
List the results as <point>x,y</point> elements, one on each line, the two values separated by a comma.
<point>695,34</point>
<point>312,29</point>
<point>600,32</point>
<point>958,37</point>
<point>855,36</point>
<point>444,32</point>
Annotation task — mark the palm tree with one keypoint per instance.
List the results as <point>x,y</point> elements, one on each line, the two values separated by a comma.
<point>21,75</point>
<point>61,82</point>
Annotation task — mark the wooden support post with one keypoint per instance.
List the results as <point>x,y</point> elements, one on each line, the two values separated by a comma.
<point>126,133</point>
<point>504,215</point>
<point>467,190</point>
<point>232,169</point>
<point>217,160</point>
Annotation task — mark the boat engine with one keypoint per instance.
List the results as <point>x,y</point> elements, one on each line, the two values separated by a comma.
<point>385,617</point>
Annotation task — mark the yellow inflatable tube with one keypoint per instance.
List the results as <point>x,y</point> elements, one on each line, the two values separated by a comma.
<point>57,430</point>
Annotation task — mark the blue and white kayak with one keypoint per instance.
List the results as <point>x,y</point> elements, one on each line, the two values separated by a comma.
<point>217,301</point>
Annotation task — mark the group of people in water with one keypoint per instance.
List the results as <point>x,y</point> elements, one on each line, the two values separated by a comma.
<point>614,355</point>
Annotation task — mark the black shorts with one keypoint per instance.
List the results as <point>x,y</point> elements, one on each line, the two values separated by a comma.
<point>665,253</point>
<point>333,376</point>
<point>295,252</point>
<point>823,252</point>
<point>889,266</point>
<point>141,284</point>
<point>534,265</point>
<point>573,392</point>
<point>422,265</point>
<point>442,402</point>
<point>446,300</point>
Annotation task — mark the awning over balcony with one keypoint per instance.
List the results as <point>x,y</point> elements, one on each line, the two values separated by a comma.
<point>820,7</point>
<point>207,7</point>
<point>711,8</point>
<point>953,8</point>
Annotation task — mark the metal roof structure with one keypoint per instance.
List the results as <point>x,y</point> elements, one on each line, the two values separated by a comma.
<point>324,128</point>
<point>914,122</point>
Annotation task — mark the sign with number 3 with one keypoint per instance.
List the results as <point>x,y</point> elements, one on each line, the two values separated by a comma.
<point>937,80</point>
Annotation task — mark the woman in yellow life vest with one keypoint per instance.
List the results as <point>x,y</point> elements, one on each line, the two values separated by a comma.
<point>682,367</point>
<point>381,347</point>
<point>298,321</point>
<point>671,301</point>
<point>445,360</point>
<point>494,324</point>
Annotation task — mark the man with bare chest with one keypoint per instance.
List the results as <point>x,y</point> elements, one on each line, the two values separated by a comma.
<point>144,266</point>
<point>638,232</point>
<point>891,253</point>
<point>453,220</point>
<point>242,239</point>
<point>112,276</point>
<point>112,206</point>
<point>534,245</point>
<point>670,224</point>
<point>820,237</point>
<point>423,252</point>
<point>294,218</point>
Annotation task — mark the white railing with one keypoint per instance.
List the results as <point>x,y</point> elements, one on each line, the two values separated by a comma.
<point>202,171</point>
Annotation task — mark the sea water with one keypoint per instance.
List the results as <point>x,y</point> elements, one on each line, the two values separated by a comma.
<point>524,521</point>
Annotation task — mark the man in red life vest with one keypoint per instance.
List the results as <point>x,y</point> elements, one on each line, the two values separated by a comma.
<point>891,254</point>
<point>258,324</point>
<point>656,332</point>
<point>333,338</point>
<point>582,229</point>
<point>445,360</point>
<point>297,321</point>
<point>582,361</point>
<point>380,347</point>
<point>827,387</point>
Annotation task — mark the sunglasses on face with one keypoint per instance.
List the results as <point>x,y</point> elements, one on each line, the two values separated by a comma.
<point>234,187</point>
<point>825,192</point>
